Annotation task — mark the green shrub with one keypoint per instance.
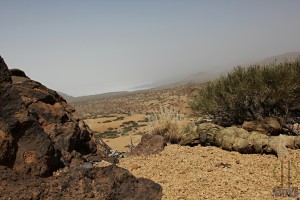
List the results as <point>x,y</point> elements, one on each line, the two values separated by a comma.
<point>119,118</point>
<point>127,130</point>
<point>252,93</point>
<point>110,134</point>
<point>108,116</point>
<point>144,120</point>
<point>107,121</point>
<point>129,122</point>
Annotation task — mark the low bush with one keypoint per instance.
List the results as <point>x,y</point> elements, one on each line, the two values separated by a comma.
<point>107,121</point>
<point>119,118</point>
<point>110,134</point>
<point>252,93</point>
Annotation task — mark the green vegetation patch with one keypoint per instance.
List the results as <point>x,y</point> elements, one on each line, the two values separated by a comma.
<point>108,116</point>
<point>119,118</point>
<point>107,121</point>
<point>252,93</point>
<point>145,120</point>
<point>110,134</point>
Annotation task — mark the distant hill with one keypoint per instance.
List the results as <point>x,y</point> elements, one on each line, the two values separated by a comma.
<point>198,78</point>
<point>193,79</point>
<point>72,99</point>
<point>279,58</point>
<point>203,77</point>
<point>67,97</point>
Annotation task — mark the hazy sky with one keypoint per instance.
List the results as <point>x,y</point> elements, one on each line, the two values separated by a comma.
<point>88,47</point>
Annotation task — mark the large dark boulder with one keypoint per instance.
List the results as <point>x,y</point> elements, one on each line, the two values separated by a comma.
<point>38,128</point>
<point>5,76</point>
<point>46,152</point>
<point>150,144</point>
<point>110,183</point>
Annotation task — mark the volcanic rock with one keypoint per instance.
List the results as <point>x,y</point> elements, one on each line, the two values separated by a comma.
<point>241,140</point>
<point>111,183</point>
<point>268,126</point>
<point>38,128</point>
<point>150,144</point>
<point>5,75</point>
<point>40,136</point>
<point>204,135</point>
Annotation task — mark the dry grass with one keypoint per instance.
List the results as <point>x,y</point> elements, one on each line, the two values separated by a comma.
<point>166,123</point>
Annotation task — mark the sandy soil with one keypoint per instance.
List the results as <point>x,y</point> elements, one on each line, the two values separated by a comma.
<point>121,143</point>
<point>212,173</point>
<point>100,124</point>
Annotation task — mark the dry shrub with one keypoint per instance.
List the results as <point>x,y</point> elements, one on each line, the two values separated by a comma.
<point>165,123</point>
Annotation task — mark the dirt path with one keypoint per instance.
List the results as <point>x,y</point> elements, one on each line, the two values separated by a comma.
<point>211,173</point>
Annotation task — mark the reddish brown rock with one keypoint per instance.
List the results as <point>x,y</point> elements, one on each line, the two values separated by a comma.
<point>268,126</point>
<point>39,134</point>
<point>38,128</point>
<point>111,183</point>
<point>150,144</point>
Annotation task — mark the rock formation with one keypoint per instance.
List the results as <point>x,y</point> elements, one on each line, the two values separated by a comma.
<point>150,144</point>
<point>240,140</point>
<point>39,129</point>
<point>39,134</point>
<point>111,183</point>
<point>268,125</point>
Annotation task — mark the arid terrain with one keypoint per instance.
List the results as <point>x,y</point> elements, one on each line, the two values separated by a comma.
<point>211,173</point>
<point>243,161</point>
<point>183,172</point>
<point>150,100</point>
<point>125,118</point>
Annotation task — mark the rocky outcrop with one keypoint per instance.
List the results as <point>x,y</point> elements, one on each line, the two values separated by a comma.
<point>268,125</point>
<point>150,144</point>
<point>5,74</point>
<point>111,183</point>
<point>241,140</point>
<point>204,135</point>
<point>39,134</point>
<point>38,128</point>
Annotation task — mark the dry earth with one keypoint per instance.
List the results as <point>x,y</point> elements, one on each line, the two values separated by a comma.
<point>185,172</point>
<point>211,173</point>
<point>124,119</point>
<point>140,102</point>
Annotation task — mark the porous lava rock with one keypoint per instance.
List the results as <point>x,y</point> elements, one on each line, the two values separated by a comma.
<point>150,144</point>
<point>269,126</point>
<point>110,183</point>
<point>38,128</point>
<point>240,140</point>
<point>41,135</point>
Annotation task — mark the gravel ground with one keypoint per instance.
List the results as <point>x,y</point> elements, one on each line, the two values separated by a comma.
<point>212,173</point>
